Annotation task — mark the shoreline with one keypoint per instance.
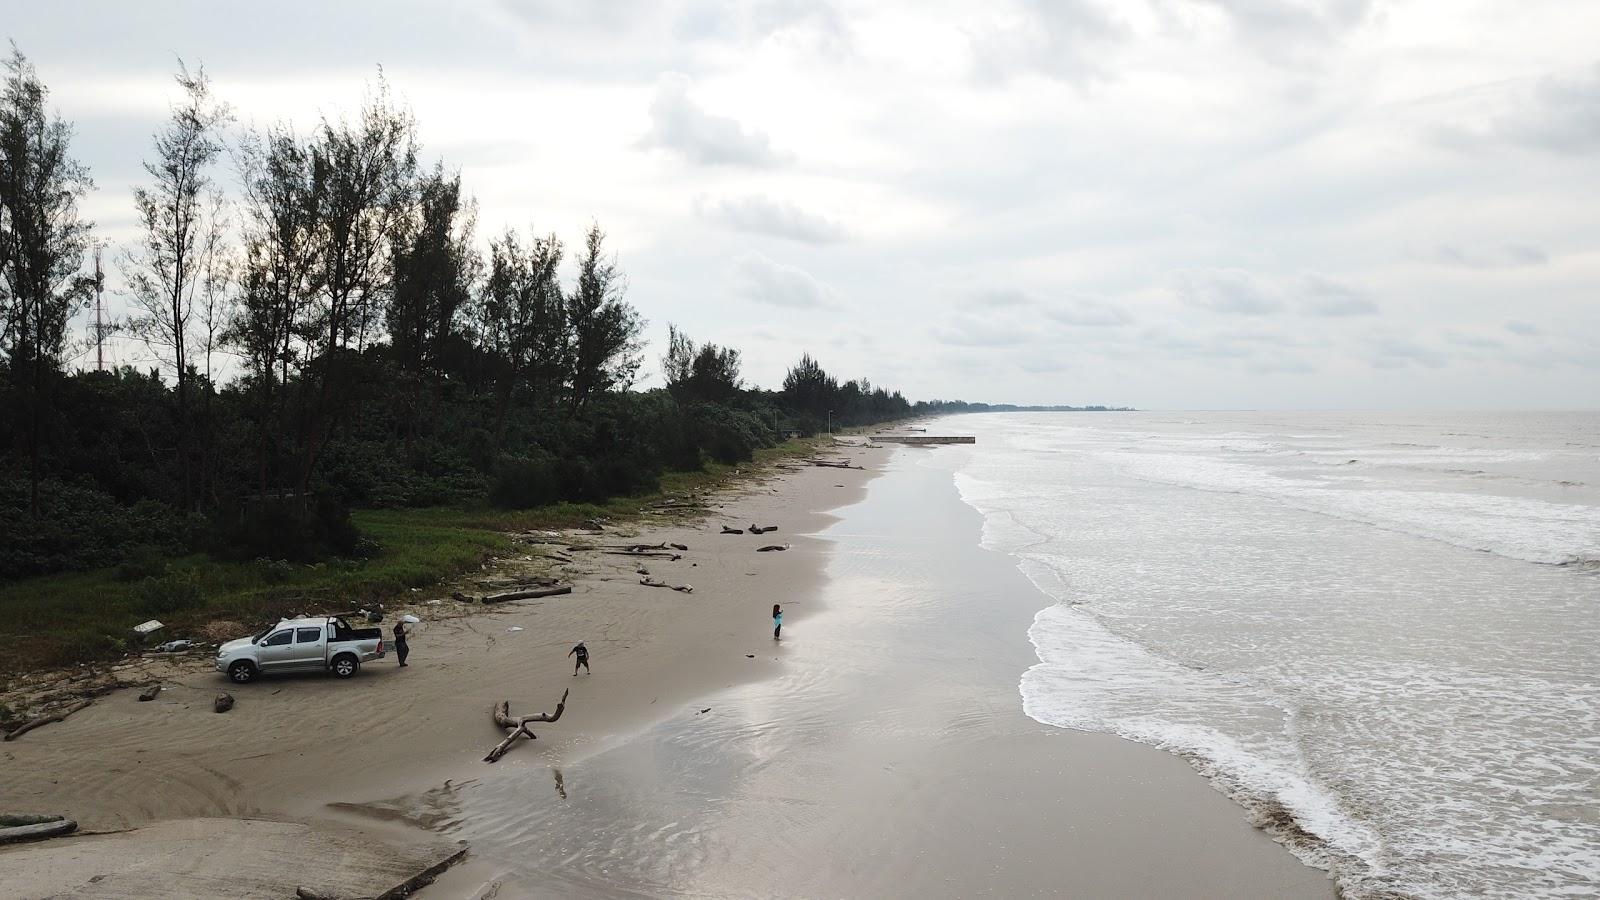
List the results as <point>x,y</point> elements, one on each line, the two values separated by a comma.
<point>893,747</point>
<point>397,761</point>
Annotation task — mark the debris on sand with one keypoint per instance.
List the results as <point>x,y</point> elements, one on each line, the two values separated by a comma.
<point>26,727</point>
<point>680,588</point>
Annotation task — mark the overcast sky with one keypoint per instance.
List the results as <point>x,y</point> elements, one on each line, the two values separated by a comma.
<point>1159,203</point>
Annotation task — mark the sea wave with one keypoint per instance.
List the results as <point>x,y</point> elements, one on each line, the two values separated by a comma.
<point>1516,527</point>
<point>1085,672</point>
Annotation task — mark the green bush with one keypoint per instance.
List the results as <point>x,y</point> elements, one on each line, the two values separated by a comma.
<point>523,482</point>
<point>170,594</point>
<point>273,571</point>
<point>78,528</point>
<point>143,561</point>
<point>290,530</point>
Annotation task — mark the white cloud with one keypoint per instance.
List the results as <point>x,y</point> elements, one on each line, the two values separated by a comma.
<point>1229,291</point>
<point>1239,292</point>
<point>760,214</point>
<point>766,281</point>
<point>1324,296</point>
<point>1494,257</point>
<point>679,124</point>
<point>1561,113</point>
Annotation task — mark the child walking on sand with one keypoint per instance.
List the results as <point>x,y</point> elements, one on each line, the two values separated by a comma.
<point>582,653</point>
<point>777,621</point>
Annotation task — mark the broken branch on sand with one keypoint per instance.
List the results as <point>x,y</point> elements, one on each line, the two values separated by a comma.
<point>771,547</point>
<point>519,725</point>
<point>680,588</point>
<point>26,727</point>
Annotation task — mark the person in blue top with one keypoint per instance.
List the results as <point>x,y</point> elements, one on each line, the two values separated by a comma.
<point>777,620</point>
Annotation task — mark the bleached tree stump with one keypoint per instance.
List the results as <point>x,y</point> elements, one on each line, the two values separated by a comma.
<point>518,725</point>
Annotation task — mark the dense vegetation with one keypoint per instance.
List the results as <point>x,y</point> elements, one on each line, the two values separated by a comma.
<point>382,357</point>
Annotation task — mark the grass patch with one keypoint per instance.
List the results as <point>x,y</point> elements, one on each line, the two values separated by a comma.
<point>80,617</point>
<point>66,619</point>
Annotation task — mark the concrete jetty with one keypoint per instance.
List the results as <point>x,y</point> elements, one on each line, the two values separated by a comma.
<point>923,439</point>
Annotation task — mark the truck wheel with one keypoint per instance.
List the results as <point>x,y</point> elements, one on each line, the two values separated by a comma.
<point>345,665</point>
<point>242,672</point>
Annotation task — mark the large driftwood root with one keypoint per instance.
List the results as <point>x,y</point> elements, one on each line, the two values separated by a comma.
<point>517,726</point>
<point>26,727</point>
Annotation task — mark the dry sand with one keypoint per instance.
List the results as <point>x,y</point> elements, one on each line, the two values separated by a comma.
<point>1076,814</point>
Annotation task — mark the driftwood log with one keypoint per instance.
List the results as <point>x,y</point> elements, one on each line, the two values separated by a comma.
<point>727,530</point>
<point>528,594</point>
<point>16,829</point>
<point>771,547</point>
<point>531,581</point>
<point>26,727</point>
<point>647,548</point>
<point>762,529</point>
<point>149,693</point>
<point>680,588</point>
<point>649,554</point>
<point>518,725</point>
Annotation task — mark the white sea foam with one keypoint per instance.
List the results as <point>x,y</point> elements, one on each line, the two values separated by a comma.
<point>1518,527</point>
<point>1418,718</point>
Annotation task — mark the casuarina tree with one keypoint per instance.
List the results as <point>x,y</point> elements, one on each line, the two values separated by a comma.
<point>181,214</point>
<point>42,242</point>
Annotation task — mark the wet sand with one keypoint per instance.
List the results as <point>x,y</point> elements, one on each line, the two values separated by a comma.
<point>887,757</point>
<point>878,750</point>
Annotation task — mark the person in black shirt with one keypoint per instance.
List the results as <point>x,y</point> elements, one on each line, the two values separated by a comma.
<point>401,649</point>
<point>582,653</point>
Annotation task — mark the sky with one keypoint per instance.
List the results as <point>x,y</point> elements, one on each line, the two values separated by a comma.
<point>1173,204</point>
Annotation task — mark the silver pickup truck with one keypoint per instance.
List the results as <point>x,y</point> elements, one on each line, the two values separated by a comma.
<point>317,644</point>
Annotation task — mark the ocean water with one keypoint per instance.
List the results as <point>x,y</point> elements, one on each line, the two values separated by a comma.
<point>1380,633</point>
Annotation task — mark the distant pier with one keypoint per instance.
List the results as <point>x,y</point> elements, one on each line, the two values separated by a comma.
<point>923,439</point>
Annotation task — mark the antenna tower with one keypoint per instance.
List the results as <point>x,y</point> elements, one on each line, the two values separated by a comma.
<point>99,314</point>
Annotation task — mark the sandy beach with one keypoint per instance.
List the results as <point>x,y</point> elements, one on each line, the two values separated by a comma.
<point>879,750</point>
